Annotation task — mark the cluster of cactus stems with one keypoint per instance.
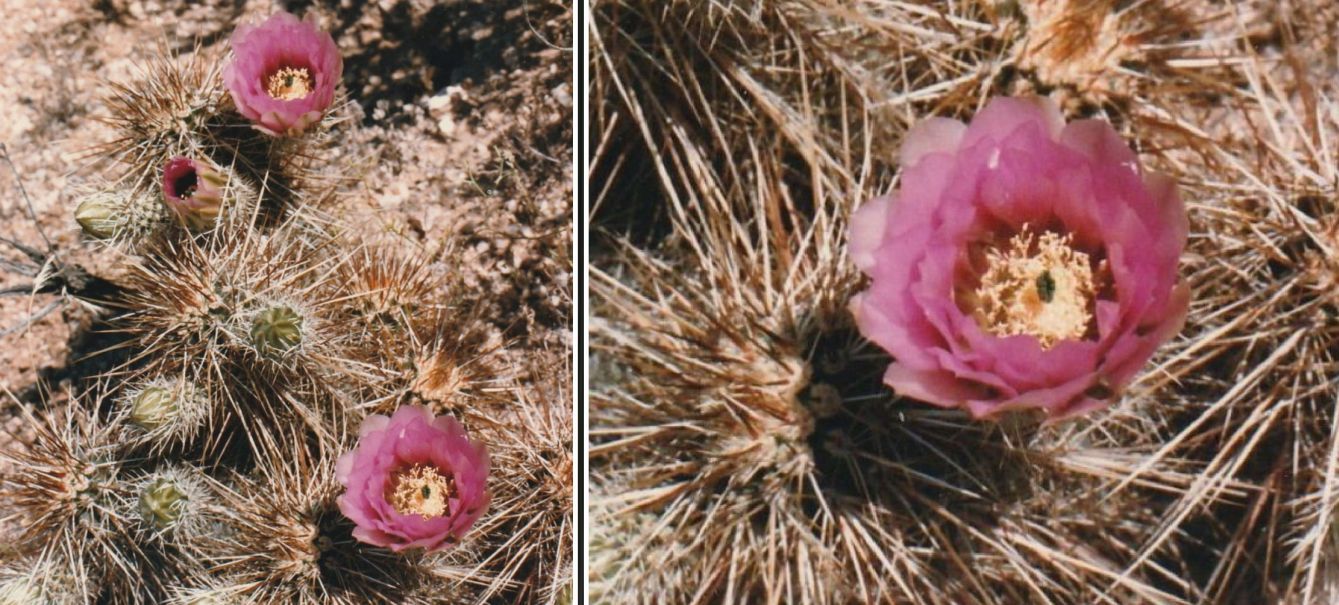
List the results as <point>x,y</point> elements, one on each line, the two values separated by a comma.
<point>253,333</point>
<point>744,446</point>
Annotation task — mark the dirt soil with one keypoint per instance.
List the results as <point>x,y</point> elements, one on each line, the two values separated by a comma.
<point>462,130</point>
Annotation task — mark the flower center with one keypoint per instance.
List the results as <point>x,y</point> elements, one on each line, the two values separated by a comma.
<point>184,186</point>
<point>421,490</point>
<point>1037,285</point>
<point>289,83</point>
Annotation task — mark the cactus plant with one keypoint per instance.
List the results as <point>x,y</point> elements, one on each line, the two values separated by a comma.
<point>252,328</point>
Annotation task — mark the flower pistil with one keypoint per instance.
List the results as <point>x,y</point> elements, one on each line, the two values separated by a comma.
<point>289,83</point>
<point>421,490</point>
<point>1040,286</point>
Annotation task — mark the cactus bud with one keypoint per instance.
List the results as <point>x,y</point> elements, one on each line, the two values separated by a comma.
<point>153,407</point>
<point>162,502</point>
<point>102,214</point>
<point>276,329</point>
<point>194,190</point>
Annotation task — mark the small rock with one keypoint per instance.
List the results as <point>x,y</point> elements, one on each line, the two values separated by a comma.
<point>449,100</point>
<point>562,93</point>
<point>446,125</point>
<point>438,104</point>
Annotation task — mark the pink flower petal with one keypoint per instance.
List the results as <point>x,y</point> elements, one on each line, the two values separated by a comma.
<point>935,135</point>
<point>1004,115</point>
<point>937,387</point>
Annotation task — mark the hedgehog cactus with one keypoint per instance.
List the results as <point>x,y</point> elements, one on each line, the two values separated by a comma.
<point>256,332</point>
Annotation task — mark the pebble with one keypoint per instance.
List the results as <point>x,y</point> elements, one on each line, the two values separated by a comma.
<point>446,125</point>
<point>447,101</point>
<point>562,93</point>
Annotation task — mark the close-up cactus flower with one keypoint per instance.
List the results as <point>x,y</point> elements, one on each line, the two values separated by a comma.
<point>413,481</point>
<point>283,73</point>
<point>1025,263</point>
<point>193,190</point>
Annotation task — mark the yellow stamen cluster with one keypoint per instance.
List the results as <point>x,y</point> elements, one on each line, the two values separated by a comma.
<point>421,490</point>
<point>1039,286</point>
<point>289,83</point>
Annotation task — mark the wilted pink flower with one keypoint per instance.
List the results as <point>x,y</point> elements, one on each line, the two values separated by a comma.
<point>283,73</point>
<point>1025,263</point>
<point>414,481</point>
<point>194,191</point>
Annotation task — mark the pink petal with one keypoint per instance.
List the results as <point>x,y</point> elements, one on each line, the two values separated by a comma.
<point>938,388</point>
<point>867,225</point>
<point>934,135</point>
<point>1004,115</point>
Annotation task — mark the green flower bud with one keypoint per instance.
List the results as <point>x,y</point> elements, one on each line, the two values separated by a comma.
<point>276,329</point>
<point>161,503</point>
<point>153,407</point>
<point>102,214</point>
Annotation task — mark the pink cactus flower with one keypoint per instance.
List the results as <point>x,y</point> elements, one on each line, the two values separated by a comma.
<point>283,73</point>
<point>193,190</point>
<point>1025,263</point>
<point>413,481</point>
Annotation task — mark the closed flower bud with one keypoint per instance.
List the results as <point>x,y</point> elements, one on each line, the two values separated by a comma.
<point>174,505</point>
<point>102,214</point>
<point>161,503</point>
<point>276,330</point>
<point>153,407</point>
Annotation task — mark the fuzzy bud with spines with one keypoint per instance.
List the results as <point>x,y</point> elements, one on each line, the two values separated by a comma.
<point>167,411</point>
<point>276,330</point>
<point>173,505</point>
<point>161,502</point>
<point>153,407</point>
<point>114,214</point>
<point>101,214</point>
